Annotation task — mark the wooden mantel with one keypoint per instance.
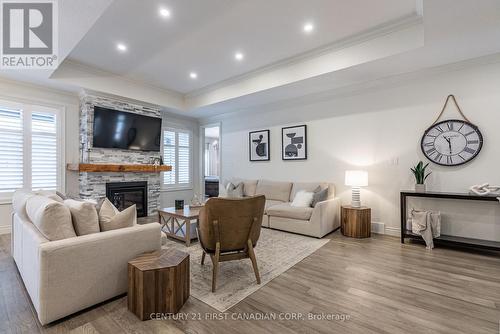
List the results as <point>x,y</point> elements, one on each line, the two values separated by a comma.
<point>107,168</point>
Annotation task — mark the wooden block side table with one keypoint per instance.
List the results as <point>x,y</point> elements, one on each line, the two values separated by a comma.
<point>356,222</point>
<point>158,282</point>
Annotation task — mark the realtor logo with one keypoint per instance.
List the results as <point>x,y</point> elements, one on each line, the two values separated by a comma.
<point>29,34</point>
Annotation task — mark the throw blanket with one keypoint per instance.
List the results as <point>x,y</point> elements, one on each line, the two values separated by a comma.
<point>427,224</point>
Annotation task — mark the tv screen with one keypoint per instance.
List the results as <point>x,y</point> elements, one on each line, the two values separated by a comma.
<point>124,130</point>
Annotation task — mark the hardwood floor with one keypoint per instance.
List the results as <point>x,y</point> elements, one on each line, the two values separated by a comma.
<point>381,285</point>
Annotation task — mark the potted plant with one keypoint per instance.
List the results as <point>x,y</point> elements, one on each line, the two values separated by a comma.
<point>420,176</point>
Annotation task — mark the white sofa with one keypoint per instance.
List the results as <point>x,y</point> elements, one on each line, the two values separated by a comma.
<point>279,214</point>
<point>69,275</point>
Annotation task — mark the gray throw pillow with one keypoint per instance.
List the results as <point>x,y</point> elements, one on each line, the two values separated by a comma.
<point>319,196</point>
<point>234,191</point>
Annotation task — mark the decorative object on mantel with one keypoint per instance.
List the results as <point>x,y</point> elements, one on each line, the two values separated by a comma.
<point>294,143</point>
<point>451,142</point>
<point>356,179</point>
<point>109,168</point>
<point>485,189</point>
<point>420,176</point>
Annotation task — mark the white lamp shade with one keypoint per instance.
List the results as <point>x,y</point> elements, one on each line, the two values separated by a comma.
<point>356,178</point>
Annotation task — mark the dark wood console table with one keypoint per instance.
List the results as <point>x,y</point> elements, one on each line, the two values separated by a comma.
<point>449,239</point>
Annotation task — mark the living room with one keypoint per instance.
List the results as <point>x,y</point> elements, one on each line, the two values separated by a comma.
<point>218,166</point>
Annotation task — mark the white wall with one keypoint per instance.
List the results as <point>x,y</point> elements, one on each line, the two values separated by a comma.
<point>379,130</point>
<point>17,91</point>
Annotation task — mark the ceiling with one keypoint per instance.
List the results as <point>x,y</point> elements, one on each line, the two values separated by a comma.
<point>204,35</point>
<point>355,43</point>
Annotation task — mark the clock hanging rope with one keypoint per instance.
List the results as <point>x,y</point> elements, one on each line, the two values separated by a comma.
<point>451,142</point>
<point>451,96</point>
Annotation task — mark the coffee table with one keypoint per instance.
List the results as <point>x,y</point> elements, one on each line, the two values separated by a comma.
<point>178,224</point>
<point>158,282</point>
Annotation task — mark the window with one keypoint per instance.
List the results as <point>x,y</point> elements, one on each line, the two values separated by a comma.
<point>177,146</point>
<point>30,148</point>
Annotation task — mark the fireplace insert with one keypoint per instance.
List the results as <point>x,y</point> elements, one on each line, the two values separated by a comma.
<point>125,194</point>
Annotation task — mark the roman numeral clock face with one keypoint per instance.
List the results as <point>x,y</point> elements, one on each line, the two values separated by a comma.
<point>452,142</point>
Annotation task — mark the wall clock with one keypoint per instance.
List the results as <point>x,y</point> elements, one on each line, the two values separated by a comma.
<point>451,142</point>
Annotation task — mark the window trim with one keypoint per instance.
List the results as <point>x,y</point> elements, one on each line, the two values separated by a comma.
<point>176,187</point>
<point>28,107</point>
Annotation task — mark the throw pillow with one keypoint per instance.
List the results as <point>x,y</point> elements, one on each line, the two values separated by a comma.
<point>84,215</point>
<point>303,199</point>
<point>319,196</point>
<point>111,219</point>
<point>19,200</point>
<point>234,191</point>
<point>63,196</point>
<point>52,218</point>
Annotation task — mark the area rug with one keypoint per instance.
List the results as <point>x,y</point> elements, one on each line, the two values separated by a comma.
<point>276,252</point>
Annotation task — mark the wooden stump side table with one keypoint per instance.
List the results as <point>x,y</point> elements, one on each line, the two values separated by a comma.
<point>158,282</point>
<point>356,222</point>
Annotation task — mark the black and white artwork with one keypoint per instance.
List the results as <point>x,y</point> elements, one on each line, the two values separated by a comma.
<point>294,143</point>
<point>259,145</point>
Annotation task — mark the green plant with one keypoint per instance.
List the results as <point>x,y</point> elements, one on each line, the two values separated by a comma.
<point>419,172</point>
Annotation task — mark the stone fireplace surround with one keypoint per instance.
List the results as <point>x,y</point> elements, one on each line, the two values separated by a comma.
<point>93,185</point>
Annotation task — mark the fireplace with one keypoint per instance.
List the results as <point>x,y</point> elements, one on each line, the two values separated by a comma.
<point>125,194</point>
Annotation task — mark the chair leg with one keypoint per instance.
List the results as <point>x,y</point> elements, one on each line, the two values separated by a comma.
<point>215,261</point>
<point>254,260</point>
<point>203,258</point>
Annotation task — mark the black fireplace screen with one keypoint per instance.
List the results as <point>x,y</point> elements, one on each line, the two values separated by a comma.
<point>125,194</point>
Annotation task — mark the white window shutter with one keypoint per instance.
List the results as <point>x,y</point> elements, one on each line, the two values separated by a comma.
<point>177,146</point>
<point>169,144</point>
<point>44,155</point>
<point>11,150</point>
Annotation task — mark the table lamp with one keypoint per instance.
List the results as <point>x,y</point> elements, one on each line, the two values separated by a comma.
<point>356,179</point>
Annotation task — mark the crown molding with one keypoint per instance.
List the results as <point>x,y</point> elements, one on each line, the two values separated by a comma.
<point>375,32</point>
<point>100,72</point>
<point>359,88</point>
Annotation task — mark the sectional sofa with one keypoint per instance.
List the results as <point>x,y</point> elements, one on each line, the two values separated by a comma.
<point>315,221</point>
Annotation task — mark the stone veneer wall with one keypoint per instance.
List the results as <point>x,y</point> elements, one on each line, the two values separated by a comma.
<point>93,185</point>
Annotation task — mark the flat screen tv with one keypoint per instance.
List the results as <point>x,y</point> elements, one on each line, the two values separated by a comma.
<point>124,130</point>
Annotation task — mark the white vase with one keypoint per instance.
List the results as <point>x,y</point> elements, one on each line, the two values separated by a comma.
<point>420,188</point>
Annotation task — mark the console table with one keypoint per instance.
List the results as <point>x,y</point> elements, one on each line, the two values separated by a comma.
<point>449,239</point>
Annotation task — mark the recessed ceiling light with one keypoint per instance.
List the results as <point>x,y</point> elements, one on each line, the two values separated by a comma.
<point>308,27</point>
<point>239,56</point>
<point>121,47</point>
<point>193,75</point>
<point>164,12</point>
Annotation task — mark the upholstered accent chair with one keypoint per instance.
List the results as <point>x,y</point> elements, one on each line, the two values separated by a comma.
<point>229,229</point>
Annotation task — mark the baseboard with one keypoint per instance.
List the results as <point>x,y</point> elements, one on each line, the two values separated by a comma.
<point>5,229</point>
<point>394,231</point>
<point>380,228</point>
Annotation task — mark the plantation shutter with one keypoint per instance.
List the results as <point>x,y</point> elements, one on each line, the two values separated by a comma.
<point>184,158</point>
<point>11,149</point>
<point>169,144</point>
<point>44,155</point>
<point>177,153</point>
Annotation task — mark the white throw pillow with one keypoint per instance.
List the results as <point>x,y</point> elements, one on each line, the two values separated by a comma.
<point>21,196</point>
<point>84,215</point>
<point>234,191</point>
<point>111,219</point>
<point>52,218</point>
<point>303,199</point>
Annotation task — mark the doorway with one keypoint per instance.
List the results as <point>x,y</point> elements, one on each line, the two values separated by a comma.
<point>211,160</point>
